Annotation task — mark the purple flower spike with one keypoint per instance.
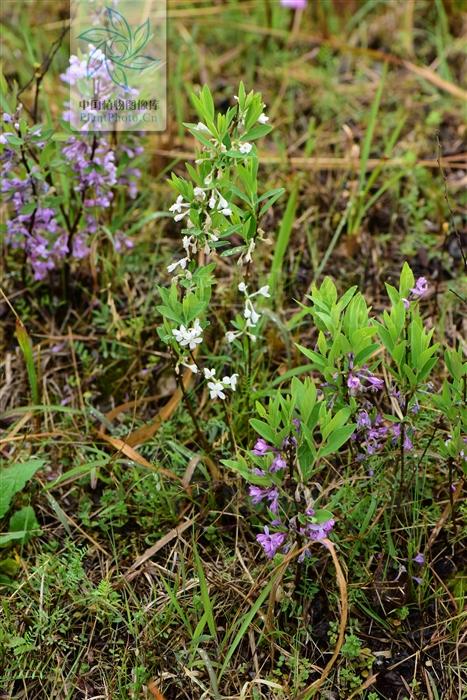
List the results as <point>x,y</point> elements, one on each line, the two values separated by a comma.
<point>261,447</point>
<point>278,464</point>
<point>270,542</point>
<point>421,287</point>
<point>419,559</point>
<point>363,420</point>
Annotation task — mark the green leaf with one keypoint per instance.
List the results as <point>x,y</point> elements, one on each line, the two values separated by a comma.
<point>336,440</point>
<point>239,465</point>
<point>407,280</point>
<point>264,430</point>
<point>23,526</point>
<point>14,479</point>
<point>256,132</point>
<point>283,238</point>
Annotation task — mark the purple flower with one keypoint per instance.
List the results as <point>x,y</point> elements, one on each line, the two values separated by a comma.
<point>375,382</point>
<point>353,383</point>
<point>408,444</point>
<point>419,559</point>
<point>257,494</point>
<point>421,287</point>
<point>270,542</point>
<point>261,448</point>
<point>294,4</point>
<point>273,498</point>
<point>289,441</point>
<point>277,464</point>
<point>406,303</point>
<point>363,420</point>
<point>318,531</point>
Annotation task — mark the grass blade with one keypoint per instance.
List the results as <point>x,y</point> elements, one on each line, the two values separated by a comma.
<point>283,239</point>
<point>25,344</point>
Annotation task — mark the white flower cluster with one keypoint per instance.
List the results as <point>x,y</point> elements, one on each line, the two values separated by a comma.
<point>181,209</point>
<point>216,386</point>
<point>250,314</point>
<point>211,199</point>
<point>207,203</point>
<point>190,337</point>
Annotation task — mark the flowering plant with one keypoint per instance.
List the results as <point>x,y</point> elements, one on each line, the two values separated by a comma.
<point>297,432</point>
<point>373,376</point>
<point>62,190</point>
<point>220,210</point>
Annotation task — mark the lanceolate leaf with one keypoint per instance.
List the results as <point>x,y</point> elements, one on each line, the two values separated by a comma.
<point>119,23</point>
<point>98,35</point>
<point>141,37</point>
<point>14,478</point>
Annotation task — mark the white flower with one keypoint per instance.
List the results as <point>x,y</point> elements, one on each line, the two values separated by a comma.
<point>251,314</point>
<point>186,242</point>
<point>3,138</point>
<point>231,381</point>
<point>250,250</point>
<point>202,127</point>
<point>185,363</point>
<point>189,336</point>
<point>199,193</point>
<point>264,291</point>
<point>230,336</point>
<point>263,118</point>
<point>177,205</point>
<point>245,148</point>
<point>178,263</point>
<point>209,373</point>
<point>223,203</point>
<point>216,390</point>
<point>227,211</point>
<point>180,208</point>
<point>180,333</point>
<point>242,287</point>
<point>212,201</point>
